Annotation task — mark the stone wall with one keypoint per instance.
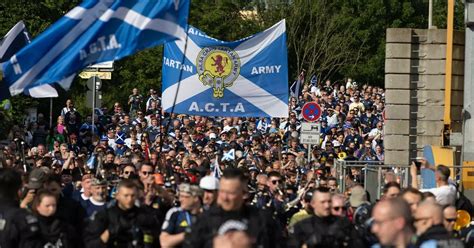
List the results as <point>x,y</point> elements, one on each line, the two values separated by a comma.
<point>414,81</point>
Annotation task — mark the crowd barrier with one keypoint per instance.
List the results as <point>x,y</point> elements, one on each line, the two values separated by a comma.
<point>373,174</point>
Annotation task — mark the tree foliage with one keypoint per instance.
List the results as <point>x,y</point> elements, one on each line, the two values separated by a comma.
<point>330,38</point>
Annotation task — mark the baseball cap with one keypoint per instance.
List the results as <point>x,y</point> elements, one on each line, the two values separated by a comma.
<point>98,182</point>
<point>37,177</point>
<point>193,190</point>
<point>212,136</point>
<point>358,196</point>
<point>209,183</point>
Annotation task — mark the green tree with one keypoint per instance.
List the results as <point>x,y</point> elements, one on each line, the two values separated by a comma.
<point>333,39</point>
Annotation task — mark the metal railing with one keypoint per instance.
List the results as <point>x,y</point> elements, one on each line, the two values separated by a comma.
<point>373,173</point>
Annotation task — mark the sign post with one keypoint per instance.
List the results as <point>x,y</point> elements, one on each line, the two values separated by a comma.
<point>310,134</point>
<point>310,131</point>
<point>311,111</point>
<point>94,84</point>
<point>94,74</point>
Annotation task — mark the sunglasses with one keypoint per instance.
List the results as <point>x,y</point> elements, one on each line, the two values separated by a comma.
<point>339,208</point>
<point>277,181</point>
<point>128,172</point>
<point>146,172</point>
<point>450,219</point>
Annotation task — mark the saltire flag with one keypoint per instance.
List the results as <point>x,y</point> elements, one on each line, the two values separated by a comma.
<point>248,77</point>
<point>229,156</point>
<point>94,32</point>
<point>91,161</point>
<point>17,38</point>
<point>263,124</point>
<point>216,172</point>
<point>296,86</point>
<point>314,80</point>
<point>293,89</point>
<point>13,41</point>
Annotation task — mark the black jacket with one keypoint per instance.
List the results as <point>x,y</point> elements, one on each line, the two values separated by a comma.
<point>440,236</point>
<point>137,225</point>
<point>330,231</point>
<point>71,212</point>
<point>18,228</point>
<point>57,233</point>
<point>258,224</point>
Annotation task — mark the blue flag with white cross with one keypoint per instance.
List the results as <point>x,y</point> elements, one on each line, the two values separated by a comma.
<point>94,32</point>
<point>210,77</point>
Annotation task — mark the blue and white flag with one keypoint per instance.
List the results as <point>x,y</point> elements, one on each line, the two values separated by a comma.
<point>91,161</point>
<point>216,172</point>
<point>229,156</point>
<point>248,77</point>
<point>17,38</point>
<point>263,124</point>
<point>13,41</point>
<point>314,80</point>
<point>293,91</point>
<point>94,32</point>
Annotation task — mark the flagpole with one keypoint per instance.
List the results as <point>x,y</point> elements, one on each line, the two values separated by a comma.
<point>177,90</point>
<point>50,112</point>
<point>93,104</point>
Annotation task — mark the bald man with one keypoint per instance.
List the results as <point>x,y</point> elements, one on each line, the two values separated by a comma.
<point>430,229</point>
<point>392,223</point>
<point>450,215</point>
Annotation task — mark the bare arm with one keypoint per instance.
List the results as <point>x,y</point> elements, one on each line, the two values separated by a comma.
<point>413,170</point>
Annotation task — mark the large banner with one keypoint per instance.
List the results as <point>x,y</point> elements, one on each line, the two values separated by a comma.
<point>248,77</point>
<point>94,32</point>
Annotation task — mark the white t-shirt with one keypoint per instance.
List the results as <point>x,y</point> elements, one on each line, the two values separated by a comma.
<point>444,195</point>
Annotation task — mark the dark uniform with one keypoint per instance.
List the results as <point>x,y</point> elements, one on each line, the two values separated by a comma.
<point>258,224</point>
<point>136,227</point>
<point>18,228</point>
<point>330,231</point>
<point>58,234</point>
<point>438,236</point>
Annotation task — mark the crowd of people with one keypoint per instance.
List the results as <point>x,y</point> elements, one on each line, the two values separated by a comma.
<point>135,176</point>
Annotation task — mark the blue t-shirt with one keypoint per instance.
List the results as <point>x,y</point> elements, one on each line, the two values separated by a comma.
<point>91,207</point>
<point>177,220</point>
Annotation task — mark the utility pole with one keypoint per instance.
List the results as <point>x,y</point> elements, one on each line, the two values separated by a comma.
<point>430,14</point>
<point>467,155</point>
<point>448,72</point>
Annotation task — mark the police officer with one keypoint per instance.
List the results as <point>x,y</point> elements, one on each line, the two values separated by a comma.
<point>233,221</point>
<point>18,228</point>
<point>430,229</point>
<point>323,229</point>
<point>123,224</point>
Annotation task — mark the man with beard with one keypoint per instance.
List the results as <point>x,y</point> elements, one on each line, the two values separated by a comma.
<point>98,198</point>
